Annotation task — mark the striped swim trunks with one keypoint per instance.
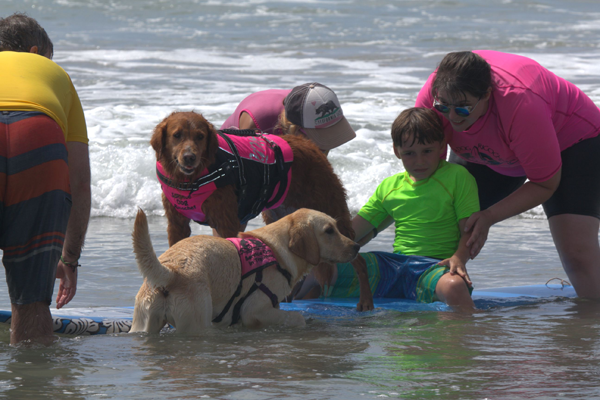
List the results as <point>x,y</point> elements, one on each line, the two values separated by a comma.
<point>35,203</point>
<point>391,275</point>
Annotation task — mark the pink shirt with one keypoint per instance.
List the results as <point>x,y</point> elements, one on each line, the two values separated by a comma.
<point>532,116</point>
<point>263,107</point>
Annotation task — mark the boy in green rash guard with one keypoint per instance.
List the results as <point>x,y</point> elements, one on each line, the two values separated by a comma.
<point>429,203</point>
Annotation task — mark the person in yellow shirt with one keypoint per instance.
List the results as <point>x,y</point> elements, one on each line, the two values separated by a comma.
<point>45,193</point>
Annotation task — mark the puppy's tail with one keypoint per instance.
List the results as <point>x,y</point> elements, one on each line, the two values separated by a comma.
<point>155,273</point>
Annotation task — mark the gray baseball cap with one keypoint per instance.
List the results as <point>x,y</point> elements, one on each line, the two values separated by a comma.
<point>317,110</point>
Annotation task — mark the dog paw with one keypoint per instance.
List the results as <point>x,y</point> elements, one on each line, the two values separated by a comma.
<point>365,306</point>
<point>294,319</point>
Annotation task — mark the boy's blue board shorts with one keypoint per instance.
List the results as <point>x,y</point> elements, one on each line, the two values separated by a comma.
<point>391,276</point>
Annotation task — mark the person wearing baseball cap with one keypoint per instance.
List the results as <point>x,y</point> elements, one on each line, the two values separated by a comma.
<point>311,109</point>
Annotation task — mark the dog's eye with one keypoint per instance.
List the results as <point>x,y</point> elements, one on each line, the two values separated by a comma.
<point>200,137</point>
<point>329,230</point>
<point>177,135</point>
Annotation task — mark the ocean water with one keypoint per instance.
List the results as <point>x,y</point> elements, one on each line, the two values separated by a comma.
<point>133,62</point>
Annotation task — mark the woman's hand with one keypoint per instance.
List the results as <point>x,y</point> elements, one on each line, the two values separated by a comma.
<point>526,197</point>
<point>478,224</point>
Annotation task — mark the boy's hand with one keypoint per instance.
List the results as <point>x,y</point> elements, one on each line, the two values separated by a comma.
<point>457,267</point>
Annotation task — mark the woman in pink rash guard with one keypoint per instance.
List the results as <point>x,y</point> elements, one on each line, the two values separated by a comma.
<point>310,109</point>
<point>529,137</point>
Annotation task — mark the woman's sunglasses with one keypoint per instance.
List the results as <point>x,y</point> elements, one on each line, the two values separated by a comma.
<point>461,111</point>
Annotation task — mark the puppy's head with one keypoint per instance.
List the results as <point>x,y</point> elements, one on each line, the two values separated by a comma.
<point>185,144</point>
<point>314,236</point>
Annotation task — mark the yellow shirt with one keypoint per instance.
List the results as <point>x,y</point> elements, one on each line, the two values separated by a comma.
<point>31,82</point>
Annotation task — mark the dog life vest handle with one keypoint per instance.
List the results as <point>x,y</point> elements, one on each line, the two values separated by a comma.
<point>283,176</point>
<point>238,159</point>
<point>241,132</point>
<point>263,196</point>
<point>263,199</point>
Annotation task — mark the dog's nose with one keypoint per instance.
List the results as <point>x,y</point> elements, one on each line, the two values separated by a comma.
<point>356,247</point>
<point>189,158</point>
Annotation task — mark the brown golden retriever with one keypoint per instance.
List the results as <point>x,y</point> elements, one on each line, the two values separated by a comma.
<point>186,144</point>
<point>192,283</point>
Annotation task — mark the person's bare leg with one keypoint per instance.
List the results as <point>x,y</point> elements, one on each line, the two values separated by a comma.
<point>31,323</point>
<point>576,240</point>
<point>453,290</point>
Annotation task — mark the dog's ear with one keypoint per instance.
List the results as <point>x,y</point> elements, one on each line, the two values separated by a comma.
<point>212,144</point>
<point>303,242</point>
<point>159,138</point>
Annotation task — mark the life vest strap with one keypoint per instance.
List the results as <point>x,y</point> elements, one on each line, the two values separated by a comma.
<point>220,317</point>
<point>283,176</point>
<point>214,176</point>
<point>235,316</point>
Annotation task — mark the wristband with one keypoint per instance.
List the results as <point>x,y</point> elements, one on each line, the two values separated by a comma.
<point>73,264</point>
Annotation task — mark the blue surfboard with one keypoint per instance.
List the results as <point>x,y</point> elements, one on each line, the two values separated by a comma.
<point>109,320</point>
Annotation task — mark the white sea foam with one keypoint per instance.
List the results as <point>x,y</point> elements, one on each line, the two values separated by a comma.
<point>127,91</point>
<point>132,90</point>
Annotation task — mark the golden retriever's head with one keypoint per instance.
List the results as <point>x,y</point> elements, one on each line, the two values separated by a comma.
<point>314,236</point>
<point>185,144</point>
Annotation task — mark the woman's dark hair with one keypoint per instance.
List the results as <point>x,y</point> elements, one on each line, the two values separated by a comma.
<point>461,73</point>
<point>18,32</point>
<point>423,125</point>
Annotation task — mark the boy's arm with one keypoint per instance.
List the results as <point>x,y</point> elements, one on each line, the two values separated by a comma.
<point>364,231</point>
<point>458,261</point>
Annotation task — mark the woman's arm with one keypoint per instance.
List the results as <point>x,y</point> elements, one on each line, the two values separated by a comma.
<point>246,121</point>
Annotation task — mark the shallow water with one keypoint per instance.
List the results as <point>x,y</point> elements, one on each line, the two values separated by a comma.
<point>543,350</point>
<point>135,61</point>
<point>548,350</point>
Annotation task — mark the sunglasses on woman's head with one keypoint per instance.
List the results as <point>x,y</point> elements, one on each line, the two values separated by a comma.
<point>461,111</point>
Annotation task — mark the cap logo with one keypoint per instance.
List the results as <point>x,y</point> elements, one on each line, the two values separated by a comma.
<point>313,106</point>
<point>327,111</point>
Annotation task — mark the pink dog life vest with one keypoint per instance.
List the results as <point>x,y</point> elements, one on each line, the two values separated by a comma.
<point>255,256</point>
<point>257,165</point>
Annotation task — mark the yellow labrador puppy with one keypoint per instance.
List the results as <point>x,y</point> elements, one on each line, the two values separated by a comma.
<point>205,280</point>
